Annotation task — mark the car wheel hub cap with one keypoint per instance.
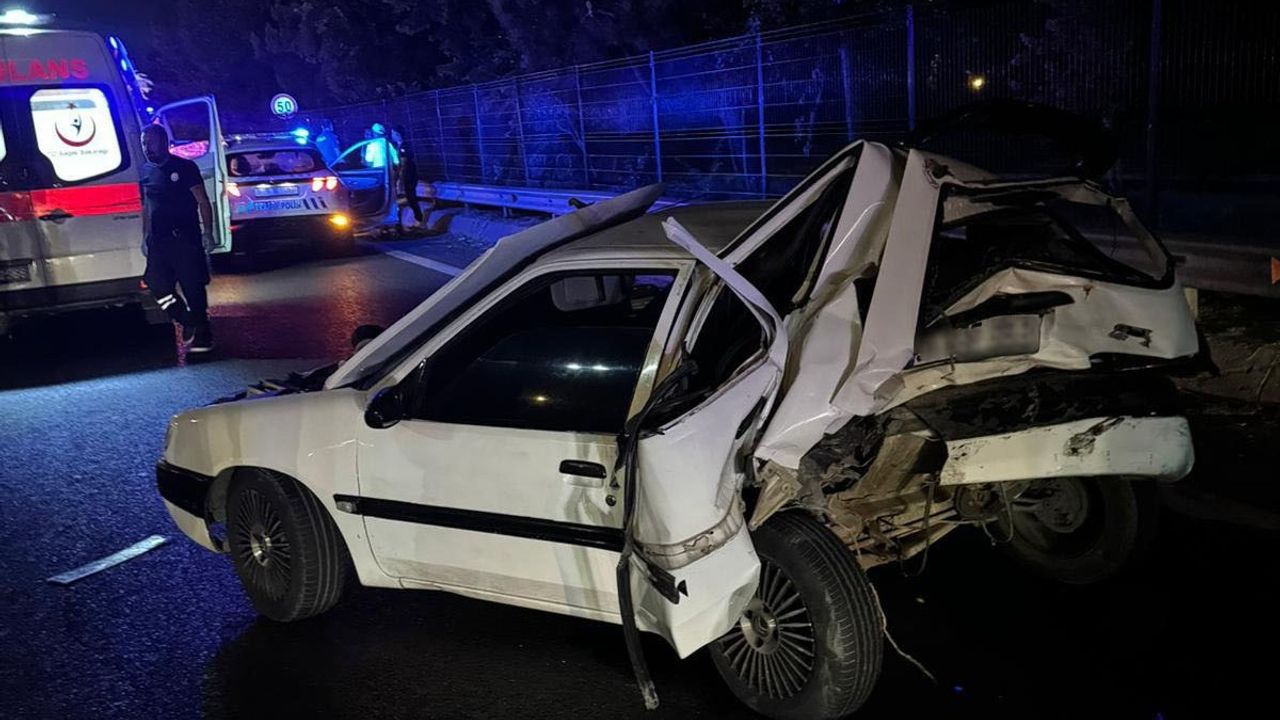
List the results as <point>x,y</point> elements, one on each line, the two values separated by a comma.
<point>772,647</point>
<point>261,546</point>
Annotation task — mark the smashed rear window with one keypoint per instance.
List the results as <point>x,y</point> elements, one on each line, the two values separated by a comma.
<point>1072,231</point>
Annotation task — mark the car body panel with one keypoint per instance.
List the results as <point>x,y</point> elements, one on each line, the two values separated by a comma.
<point>496,482</point>
<point>1118,446</point>
<point>305,435</point>
<point>828,328</point>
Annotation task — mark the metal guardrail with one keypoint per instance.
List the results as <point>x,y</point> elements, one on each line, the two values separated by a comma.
<point>552,202</point>
<point>1204,263</point>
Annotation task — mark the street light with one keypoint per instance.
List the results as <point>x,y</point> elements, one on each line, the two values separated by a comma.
<point>977,82</point>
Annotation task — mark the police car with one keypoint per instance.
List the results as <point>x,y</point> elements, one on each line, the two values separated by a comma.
<point>281,190</point>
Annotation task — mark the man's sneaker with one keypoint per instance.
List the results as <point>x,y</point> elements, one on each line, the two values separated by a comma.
<point>202,342</point>
<point>188,334</point>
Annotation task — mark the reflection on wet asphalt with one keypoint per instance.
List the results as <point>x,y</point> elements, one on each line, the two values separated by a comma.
<point>84,400</point>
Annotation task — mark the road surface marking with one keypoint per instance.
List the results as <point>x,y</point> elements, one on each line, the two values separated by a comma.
<point>420,261</point>
<point>109,561</point>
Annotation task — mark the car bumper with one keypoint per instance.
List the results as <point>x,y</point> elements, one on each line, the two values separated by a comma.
<point>185,494</point>
<point>63,298</point>
<point>299,229</point>
<point>1158,448</point>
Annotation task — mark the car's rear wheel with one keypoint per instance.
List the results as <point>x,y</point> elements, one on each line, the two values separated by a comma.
<point>286,548</point>
<point>809,644</point>
<point>1080,530</point>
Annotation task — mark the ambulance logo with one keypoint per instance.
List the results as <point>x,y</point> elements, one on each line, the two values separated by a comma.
<point>77,131</point>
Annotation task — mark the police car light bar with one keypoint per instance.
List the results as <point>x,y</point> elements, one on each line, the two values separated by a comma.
<point>19,16</point>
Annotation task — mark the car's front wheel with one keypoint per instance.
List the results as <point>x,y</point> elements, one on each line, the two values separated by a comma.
<point>808,645</point>
<point>286,548</point>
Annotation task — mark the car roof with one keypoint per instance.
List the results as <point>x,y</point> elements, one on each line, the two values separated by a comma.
<point>255,144</point>
<point>715,224</point>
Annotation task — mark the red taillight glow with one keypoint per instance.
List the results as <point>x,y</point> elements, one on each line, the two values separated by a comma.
<point>323,183</point>
<point>233,190</point>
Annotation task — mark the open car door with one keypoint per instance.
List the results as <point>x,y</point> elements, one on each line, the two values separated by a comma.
<point>196,134</point>
<point>365,169</point>
<point>695,567</point>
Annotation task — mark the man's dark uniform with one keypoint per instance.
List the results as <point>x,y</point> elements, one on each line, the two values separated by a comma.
<point>175,253</point>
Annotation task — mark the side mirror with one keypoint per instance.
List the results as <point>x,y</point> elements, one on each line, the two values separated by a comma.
<point>386,408</point>
<point>364,334</point>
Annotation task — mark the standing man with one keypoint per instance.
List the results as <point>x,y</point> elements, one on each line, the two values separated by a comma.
<point>175,209</point>
<point>408,172</point>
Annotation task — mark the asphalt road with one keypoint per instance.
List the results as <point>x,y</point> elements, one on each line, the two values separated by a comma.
<point>83,405</point>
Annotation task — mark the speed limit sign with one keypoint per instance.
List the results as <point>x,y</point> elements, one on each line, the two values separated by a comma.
<point>283,105</point>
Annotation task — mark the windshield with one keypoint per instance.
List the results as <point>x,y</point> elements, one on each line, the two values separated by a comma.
<point>1072,230</point>
<point>274,162</point>
<point>499,263</point>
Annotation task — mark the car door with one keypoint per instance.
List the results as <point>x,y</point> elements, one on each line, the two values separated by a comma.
<point>196,134</point>
<point>501,484</point>
<point>697,567</point>
<point>372,197</point>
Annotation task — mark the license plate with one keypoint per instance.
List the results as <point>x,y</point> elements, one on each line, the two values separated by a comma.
<point>15,271</point>
<point>276,191</point>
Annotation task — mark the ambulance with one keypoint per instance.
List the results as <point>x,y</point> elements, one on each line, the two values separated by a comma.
<point>71,112</point>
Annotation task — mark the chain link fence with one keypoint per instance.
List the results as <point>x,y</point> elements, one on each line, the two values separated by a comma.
<point>1191,89</point>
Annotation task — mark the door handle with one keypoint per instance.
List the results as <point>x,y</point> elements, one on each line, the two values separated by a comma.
<point>595,472</point>
<point>57,215</point>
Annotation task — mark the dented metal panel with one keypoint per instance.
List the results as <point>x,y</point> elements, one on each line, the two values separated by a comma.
<point>1148,447</point>
<point>828,330</point>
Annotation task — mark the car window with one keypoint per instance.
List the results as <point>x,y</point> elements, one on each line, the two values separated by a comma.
<point>76,131</point>
<point>564,353</point>
<point>273,162</point>
<point>978,236</point>
<point>728,337</point>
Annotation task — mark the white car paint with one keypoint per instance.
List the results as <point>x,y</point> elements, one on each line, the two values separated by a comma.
<point>1154,447</point>
<point>820,367</point>
<point>310,436</point>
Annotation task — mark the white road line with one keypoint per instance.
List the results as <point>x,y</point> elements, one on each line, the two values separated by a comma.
<point>111,560</point>
<point>420,261</point>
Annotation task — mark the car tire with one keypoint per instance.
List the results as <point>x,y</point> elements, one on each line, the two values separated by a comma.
<point>826,661</point>
<point>1081,531</point>
<point>287,551</point>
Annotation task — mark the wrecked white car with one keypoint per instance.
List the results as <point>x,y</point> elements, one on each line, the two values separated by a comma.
<point>658,421</point>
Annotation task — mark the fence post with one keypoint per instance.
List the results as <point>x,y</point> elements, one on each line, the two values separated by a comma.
<point>764,168</point>
<point>475,102</point>
<point>848,92</point>
<point>444,152</point>
<point>582,128</point>
<point>1153,115</point>
<point>524,155</point>
<point>653,101</point>
<point>911,68</point>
